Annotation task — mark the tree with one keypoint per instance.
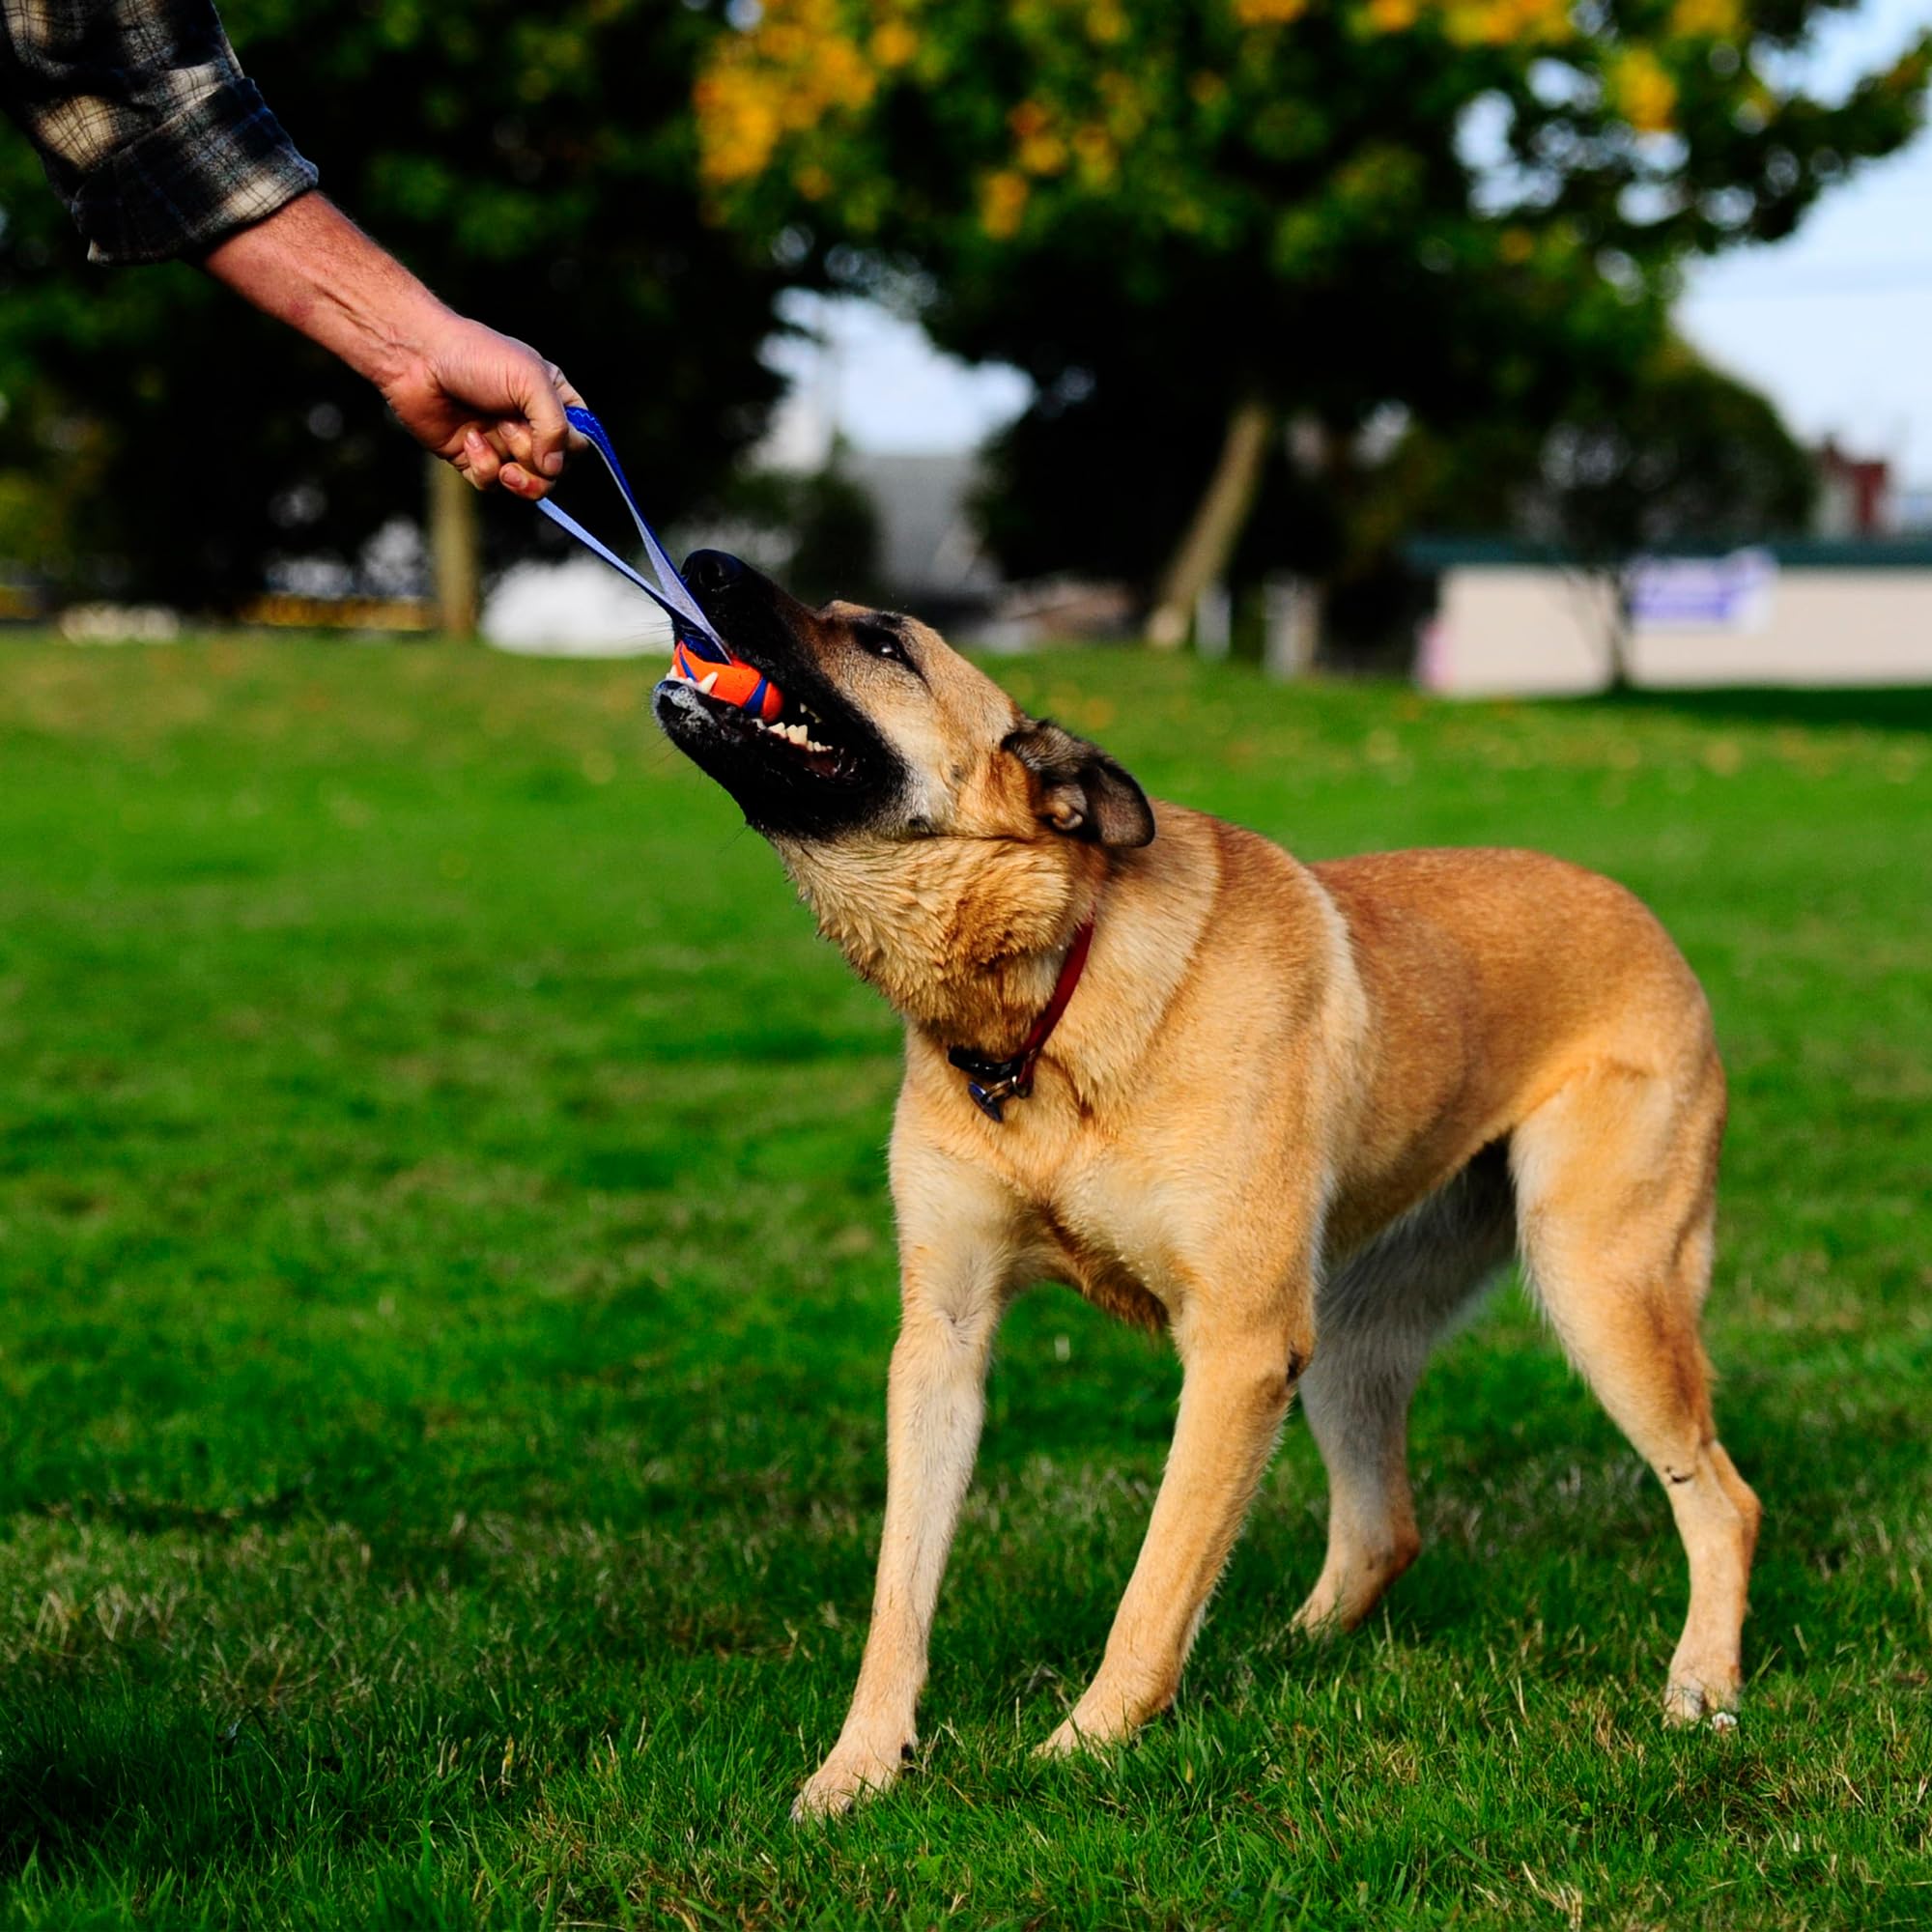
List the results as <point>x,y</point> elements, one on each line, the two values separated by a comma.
<point>536,166</point>
<point>1681,455</point>
<point>1279,207</point>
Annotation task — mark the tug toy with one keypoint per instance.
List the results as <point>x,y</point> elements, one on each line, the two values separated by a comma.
<point>698,655</point>
<point>733,682</point>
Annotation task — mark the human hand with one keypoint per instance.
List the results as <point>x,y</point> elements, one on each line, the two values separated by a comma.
<point>487,404</point>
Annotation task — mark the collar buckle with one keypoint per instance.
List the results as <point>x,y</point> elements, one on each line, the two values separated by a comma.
<point>991,1083</point>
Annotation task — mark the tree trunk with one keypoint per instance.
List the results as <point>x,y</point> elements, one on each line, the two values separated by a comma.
<point>1617,637</point>
<point>1219,519</point>
<point>455,550</point>
<point>1619,680</point>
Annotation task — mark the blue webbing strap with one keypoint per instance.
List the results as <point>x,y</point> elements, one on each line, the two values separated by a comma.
<point>668,591</point>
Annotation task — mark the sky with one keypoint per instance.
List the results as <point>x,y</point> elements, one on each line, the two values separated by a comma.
<point>1835,323</point>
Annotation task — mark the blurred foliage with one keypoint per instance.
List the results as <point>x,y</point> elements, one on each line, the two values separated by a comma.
<point>817,533</point>
<point>1603,461</point>
<point>535,165</point>
<point>1684,454</point>
<point>1473,208</point>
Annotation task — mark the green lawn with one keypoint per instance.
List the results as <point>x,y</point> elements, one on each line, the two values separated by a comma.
<point>446,1287</point>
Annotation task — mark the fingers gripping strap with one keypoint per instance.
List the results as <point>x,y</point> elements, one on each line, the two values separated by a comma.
<point>663,587</point>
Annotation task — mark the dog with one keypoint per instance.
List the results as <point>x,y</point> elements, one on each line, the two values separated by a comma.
<point>1293,1116</point>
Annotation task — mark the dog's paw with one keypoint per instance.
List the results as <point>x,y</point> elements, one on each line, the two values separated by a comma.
<point>1322,1619</point>
<point>845,1778</point>
<point>1075,1740</point>
<point>1688,1702</point>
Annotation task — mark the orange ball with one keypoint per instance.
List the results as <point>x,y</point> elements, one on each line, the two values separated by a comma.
<point>734,683</point>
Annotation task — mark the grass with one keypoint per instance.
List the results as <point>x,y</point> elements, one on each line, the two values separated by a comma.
<point>445,1284</point>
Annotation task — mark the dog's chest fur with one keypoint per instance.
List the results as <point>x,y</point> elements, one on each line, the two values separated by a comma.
<point>1114,1220</point>
<point>1102,1234</point>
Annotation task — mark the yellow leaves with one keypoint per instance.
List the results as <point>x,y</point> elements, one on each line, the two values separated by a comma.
<point>1003,201</point>
<point>1393,17</point>
<point>892,45</point>
<point>1069,93</point>
<point>1501,23</point>
<point>1550,21</point>
<point>782,42</point>
<point>1039,149</point>
<point>1706,19</point>
<point>839,76</point>
<point>1044,143</point>
<point>1125,106</point>
<point>1099,159</point>
<point>783,77</point>
<point>1044,154</point>
<point>1475,24</point>
<point>1642,92</point>
<point>738,126</point>
<point>1515,246</point>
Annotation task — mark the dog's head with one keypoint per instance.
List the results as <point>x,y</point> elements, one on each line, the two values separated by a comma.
<point>886,732</point>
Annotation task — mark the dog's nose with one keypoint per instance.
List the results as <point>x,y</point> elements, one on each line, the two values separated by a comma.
<point>712,570</point>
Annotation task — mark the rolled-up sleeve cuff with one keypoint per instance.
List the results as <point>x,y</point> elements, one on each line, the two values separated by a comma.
<point>220,164</point>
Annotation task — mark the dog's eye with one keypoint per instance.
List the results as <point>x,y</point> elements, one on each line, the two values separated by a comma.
<point>882,642</point>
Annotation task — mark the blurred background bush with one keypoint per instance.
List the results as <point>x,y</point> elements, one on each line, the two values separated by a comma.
<point>1266,290</point>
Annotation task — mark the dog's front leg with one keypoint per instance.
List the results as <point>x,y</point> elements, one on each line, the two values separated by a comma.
<point>1235,1391</point>
<point>953,1291</point>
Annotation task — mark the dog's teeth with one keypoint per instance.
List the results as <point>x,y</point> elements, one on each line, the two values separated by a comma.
<point>792,731</point>
<point>706,685</point>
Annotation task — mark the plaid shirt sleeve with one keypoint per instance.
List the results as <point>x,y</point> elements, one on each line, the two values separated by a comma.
<point>144,123</point>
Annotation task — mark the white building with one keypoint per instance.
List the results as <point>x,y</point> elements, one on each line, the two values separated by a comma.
<point>1511,621</point>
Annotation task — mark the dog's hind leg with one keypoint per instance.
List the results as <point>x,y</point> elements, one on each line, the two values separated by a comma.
<point>1356,1397</point>
<point>1614,1179</point>
<point>1378,1314</point>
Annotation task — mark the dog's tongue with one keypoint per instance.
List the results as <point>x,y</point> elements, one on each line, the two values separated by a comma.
<point>724,677</point>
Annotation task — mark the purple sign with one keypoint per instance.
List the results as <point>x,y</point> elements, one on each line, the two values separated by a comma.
<point>1703,593</point>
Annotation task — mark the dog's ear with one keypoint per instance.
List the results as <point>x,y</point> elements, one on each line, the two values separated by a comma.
<point>1078,789</point>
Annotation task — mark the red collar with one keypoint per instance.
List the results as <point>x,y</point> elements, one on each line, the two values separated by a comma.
<point>992,1082</point>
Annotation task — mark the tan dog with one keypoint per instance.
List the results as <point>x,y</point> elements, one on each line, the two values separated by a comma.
<point>1295,1115</point>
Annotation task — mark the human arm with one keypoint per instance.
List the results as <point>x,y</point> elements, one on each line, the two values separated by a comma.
<point>488,404</point>
<point>160,147</point>
<point>146,125</point>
